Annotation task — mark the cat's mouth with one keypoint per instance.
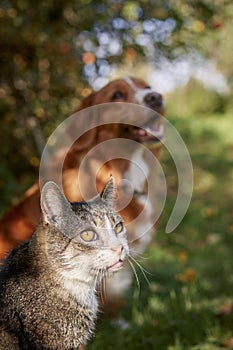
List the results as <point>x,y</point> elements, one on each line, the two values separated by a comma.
<point>116,266</point>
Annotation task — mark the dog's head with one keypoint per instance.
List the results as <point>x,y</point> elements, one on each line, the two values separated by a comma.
<point>130,90</point>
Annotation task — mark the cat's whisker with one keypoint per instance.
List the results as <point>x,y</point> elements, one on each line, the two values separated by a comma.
<point>103,288</point>
<point>134,252</point>
<point>104,285</point>
<point>142,269</point>
<point>94,284</point>
<point>135,272</point>
<point>100,290</point>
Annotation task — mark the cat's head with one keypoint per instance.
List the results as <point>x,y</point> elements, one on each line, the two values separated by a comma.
<point>84,240</point>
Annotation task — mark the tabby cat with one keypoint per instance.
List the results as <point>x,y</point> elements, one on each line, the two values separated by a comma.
<point>48,284</point>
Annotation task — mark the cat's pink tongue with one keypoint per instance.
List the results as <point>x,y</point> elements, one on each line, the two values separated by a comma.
<point>117,265</point>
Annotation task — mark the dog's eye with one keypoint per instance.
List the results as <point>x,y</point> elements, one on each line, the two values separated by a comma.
<point>89,236</point>
<point>119,227</point>
<point>117,95</point>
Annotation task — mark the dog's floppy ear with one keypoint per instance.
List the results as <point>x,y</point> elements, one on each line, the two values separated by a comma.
<point>86,140</point>
<point>85,102</point>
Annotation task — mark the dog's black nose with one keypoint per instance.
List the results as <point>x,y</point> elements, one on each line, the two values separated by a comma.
<point>153,100</point>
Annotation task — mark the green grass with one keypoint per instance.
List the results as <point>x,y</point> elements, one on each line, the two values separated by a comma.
<point>192,267</point>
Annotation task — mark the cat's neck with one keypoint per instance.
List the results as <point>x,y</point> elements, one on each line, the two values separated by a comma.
<point>83,292</point>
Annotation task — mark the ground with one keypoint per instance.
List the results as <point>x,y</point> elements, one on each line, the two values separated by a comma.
<point>188,303</point>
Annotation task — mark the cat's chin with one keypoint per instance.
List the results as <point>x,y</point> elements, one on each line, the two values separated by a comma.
<point>115,267</point>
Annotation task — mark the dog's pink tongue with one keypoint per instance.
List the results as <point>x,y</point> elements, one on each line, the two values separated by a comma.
<point>156,130</point>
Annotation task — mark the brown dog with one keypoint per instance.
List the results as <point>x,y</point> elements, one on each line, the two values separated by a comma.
<point>20,221</point>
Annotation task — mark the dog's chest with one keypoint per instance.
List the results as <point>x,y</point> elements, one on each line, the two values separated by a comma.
<point>138,175</point>
<point>138,172</point>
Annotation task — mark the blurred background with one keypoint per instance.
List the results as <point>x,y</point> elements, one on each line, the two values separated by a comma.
<point>53,53</point>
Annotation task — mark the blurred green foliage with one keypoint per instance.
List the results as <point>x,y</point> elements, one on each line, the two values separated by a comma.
<point>188,303</point>
<point>194,98</point>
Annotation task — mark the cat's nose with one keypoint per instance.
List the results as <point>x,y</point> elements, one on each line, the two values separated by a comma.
<point>118,249</point>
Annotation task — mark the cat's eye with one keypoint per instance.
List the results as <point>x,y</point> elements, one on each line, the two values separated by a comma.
<point>119,227</point>
<point>89,235</point>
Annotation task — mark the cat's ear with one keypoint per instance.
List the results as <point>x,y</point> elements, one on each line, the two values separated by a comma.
<point>109,191</point>
<point>54,205</point>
